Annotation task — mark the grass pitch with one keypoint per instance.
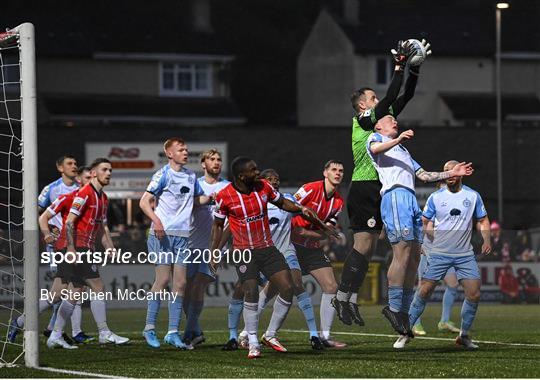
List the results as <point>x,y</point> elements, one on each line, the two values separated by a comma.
<point>505,326</point>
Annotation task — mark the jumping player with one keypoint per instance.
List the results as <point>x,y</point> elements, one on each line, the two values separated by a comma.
<point>400,213</point>
<point>364,199</point>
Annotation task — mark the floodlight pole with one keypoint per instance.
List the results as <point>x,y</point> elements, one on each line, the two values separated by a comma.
<point>499,113</point>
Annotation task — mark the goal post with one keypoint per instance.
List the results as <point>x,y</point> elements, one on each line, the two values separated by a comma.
<point>30,192</point>
<point>18,202</point>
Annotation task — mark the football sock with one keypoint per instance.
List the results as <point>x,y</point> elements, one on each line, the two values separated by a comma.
<point>152,311</point>
<point>408,295</point>
<point>447,302</point>
<point>175,314</point>
<point>281,309</point>
<point>55,308</point>
<point>263,301</point>
<point>354,297</point>
<point>304,304</point>
<point>354,271</point>
<point>193,314</point>
<point>251,320</point>
<point>468,313</point>
<point>64,313</point>
<point>327,312</point>
<point>417,308</point>
<point>235,310</point>
<point>99,312</point>
<point>395,298</point>
<point>343,296</point>
<point>76,319</point>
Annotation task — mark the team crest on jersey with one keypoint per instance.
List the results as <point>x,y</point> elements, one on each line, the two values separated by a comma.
<point>191,180</point>
<point>264,198</point>
<point>242,269</point>
<point>467,202</point>
<point>371,222</point>
<point>406,232</point>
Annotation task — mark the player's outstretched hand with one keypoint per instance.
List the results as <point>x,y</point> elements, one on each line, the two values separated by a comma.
<point>407,135</point>
<point>463,169</point>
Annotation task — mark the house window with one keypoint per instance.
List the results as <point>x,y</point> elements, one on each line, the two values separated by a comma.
<point>383,70</point>
<point>186,79</point>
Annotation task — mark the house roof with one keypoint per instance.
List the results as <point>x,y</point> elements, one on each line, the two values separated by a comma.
<point>485,105</point>
<point>455,28</point>
<point>81,28</point>
<point>141,109</point>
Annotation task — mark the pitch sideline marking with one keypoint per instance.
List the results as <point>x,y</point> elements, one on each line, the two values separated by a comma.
<point>80,373</point>
<point>421,337</point>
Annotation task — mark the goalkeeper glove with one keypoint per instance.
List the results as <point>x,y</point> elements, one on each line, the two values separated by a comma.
<point>402,54</point>
<point>426,46</point>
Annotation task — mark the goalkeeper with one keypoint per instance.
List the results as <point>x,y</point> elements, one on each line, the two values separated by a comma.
<point>364,199</point>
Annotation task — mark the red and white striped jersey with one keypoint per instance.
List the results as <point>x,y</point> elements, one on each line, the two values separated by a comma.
<point>313,195</point>
<point>247,213</point>
<point>91,208</point>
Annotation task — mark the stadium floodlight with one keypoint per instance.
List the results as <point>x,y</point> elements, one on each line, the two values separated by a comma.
<point>500,203</point>
<point>18,208</point>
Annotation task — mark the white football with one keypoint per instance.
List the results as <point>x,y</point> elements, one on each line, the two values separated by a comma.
<point>420,53</point>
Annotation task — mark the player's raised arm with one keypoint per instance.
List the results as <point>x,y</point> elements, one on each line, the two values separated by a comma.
<point>376,146</point>
<point>146,206</point>
<point>410,85</point>
<point>461,169</point>
<point>308,214</point>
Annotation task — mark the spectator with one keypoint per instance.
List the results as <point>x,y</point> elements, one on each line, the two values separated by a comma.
<point>529,285</point>
<point>500,247</point>
<point>509,285</point>
<point>522,246</point>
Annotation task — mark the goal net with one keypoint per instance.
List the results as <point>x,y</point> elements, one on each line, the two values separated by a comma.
<point>18,192</point>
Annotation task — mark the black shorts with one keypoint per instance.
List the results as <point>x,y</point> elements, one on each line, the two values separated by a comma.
<point>267,261</point>
<point>311,259</point>
<point>77,273</point>
<point>364,206</point>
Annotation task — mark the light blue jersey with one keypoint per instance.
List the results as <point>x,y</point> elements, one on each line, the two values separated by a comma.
<point>203,216</point>
<point>453,215</point>
<point>396,167</point>
<point>400,213</point>
<point>280,228</point>
<point>174,193</point>
<point>50,193</point>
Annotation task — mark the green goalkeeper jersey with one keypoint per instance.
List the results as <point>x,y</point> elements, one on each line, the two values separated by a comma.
<point>363,168</point>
